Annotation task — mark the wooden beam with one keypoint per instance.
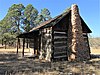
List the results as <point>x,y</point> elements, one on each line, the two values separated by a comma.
<point>2,42</point>
<point>17,46</point>
<point>5,44</point>
<point>23,46</point>
<point>39,42</point>
<point>52,44</point>
<point>27,43</point>
<point>58,32</point>
<point>59,39</point>
<point>19,43</point>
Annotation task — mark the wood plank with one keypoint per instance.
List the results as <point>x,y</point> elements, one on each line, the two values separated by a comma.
<point>60,47</point>
<point>60,44</point>
<point>60,52</point>
<point>57,49</point>
<point>57,32</point>
<point>60,56</point>
<point>60,39</point>
<point>84,35</point>
<point>57,42</point>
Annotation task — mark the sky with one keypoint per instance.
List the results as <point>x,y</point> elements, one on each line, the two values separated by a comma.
<point>89,10</point>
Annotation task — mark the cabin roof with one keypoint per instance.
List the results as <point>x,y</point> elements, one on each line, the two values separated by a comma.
<point>54,21</point>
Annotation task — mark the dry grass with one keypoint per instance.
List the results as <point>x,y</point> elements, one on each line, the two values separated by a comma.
<point>95,51</point>
<point>13,50</point>
<point>11,65</point>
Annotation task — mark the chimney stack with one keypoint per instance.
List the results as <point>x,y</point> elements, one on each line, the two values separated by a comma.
<point>77,47</point>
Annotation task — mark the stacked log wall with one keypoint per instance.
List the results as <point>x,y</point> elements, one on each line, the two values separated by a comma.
<point>46,41</point>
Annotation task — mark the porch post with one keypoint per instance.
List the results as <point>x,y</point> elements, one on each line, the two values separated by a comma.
<point>17,46</point>
<point>23,46</point>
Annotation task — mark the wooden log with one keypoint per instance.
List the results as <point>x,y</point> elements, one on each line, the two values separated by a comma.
<point>60,39</point>
<point>57,32</point>
<point>17,46</point>
<point>5,44</point>
<point>52,46</point>
<point>27,44</point>
<point>19,43</point>
<point>60,44</point>
<point>39,42</point>
<point>60,56</point>
<point>57,42</point>
<point>59,49</point>
<point>23,46</point>
<point>60,53</point>
<point>2,42</point>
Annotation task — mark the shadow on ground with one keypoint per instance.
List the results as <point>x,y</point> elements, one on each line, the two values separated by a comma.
<point>11,64</point>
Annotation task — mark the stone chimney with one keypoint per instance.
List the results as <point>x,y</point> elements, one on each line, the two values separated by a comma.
<point>77,48</point>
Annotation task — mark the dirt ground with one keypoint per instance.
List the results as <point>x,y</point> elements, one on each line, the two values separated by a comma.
<point>13,64</point>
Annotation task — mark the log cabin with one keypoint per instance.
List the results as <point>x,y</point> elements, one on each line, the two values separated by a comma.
<point>64,37</point>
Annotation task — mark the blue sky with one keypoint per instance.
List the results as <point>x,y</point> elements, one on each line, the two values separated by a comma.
<point>89,9</point>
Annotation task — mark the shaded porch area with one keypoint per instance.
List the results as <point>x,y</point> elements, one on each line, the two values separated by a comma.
<point>32,41</point>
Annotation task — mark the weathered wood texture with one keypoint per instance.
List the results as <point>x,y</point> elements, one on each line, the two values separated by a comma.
<point>18,44</point>
<point>46,38</point>
<point>60,45</point>
<point>60,36</point>
<point>23,47</point>
<point>36,44</point>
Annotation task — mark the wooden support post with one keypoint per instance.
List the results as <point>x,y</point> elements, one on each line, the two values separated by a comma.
<point>34,44</point>
<point>19,43</point>
<point>27,43</point>
<point>2,42</point>
<point>5,44</point>
<point>23,46</point>
<point>17,46</point>
<point>52,55</point>
<point>39,43</point>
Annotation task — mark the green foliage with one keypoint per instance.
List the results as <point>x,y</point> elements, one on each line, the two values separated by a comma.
<point>30,14</point>
<point>14,15</point>
<point>46,14</point>
<point>43,16</point>
<point>21,19</point>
